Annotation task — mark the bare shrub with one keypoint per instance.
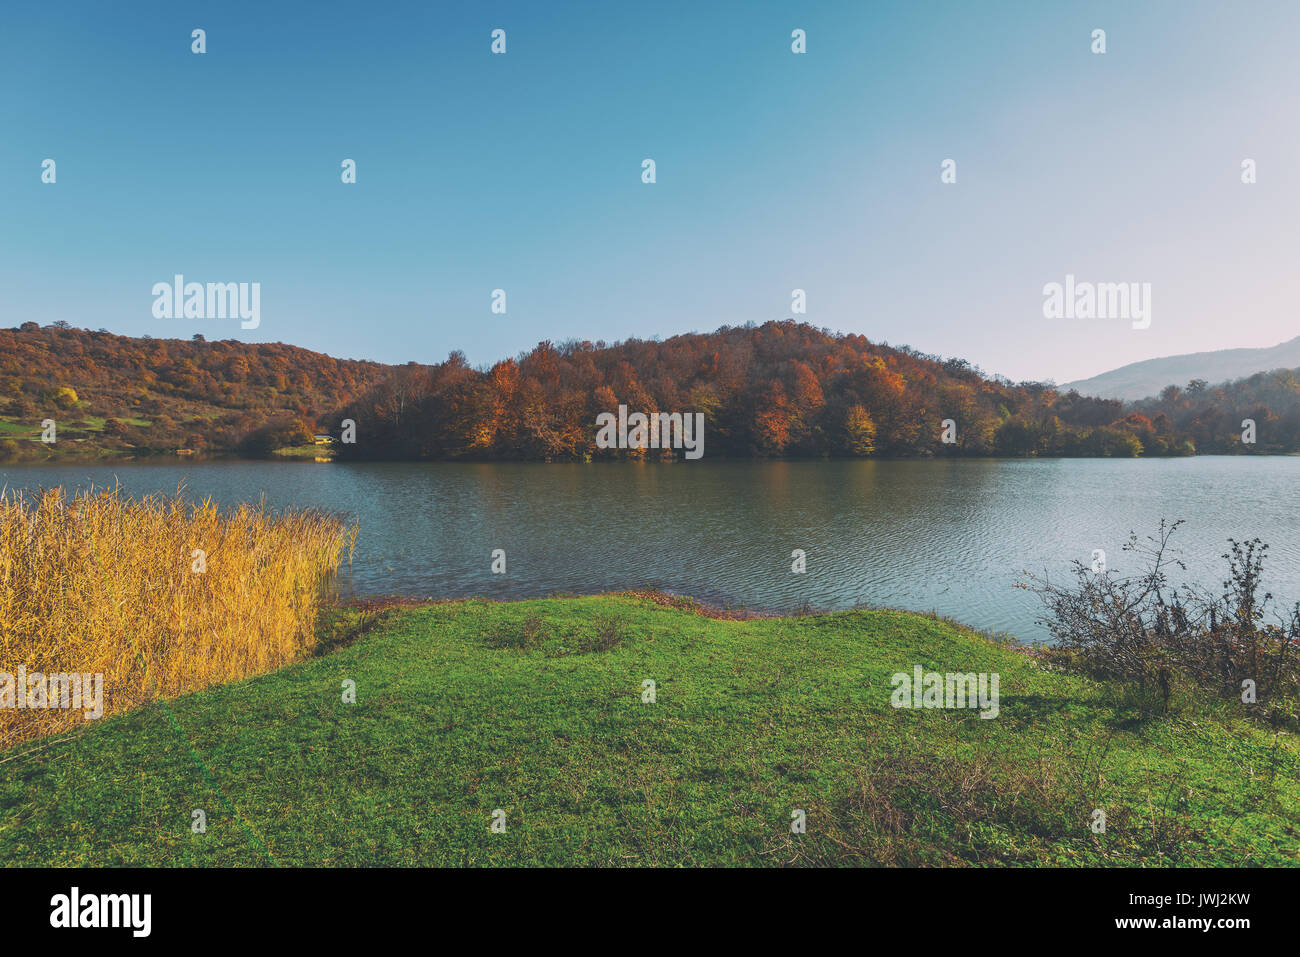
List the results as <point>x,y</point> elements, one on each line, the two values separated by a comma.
<point>1141,630</point>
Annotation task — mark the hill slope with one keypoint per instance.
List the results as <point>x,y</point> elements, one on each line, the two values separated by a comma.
<point>1138,380</point>
<point>778,389</point>
<point>115,395</point>
<point>536,708</point>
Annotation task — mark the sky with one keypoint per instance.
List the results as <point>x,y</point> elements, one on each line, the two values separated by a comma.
<point>775,171</point>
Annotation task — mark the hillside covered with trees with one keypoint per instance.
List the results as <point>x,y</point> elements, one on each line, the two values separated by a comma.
<point>1211,416</point>
<point>114,395</point>
<point>782,389</point>
<point>779,389</point>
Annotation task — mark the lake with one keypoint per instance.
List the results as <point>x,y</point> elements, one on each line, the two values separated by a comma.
<point>951,536</point>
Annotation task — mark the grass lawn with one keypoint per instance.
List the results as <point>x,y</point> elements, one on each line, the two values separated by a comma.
<point>536,708</point>
<point>304,452</point>
<point>14,427</point>
<point>75,442</point>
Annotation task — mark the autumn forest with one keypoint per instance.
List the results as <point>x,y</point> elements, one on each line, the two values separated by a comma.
<point>782,389</point>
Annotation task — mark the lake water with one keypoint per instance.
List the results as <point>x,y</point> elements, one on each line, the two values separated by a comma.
<point>951,536</point>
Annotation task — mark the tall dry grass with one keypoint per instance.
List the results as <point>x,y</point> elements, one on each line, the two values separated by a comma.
<point>104,583</point>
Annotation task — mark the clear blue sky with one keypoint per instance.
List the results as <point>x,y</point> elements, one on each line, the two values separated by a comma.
<point>775,171</point>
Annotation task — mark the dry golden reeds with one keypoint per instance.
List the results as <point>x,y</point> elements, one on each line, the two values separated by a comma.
<point>159,595</point>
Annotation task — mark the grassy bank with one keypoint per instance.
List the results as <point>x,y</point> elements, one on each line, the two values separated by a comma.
<point>158,595</point>
<point>536,708</point>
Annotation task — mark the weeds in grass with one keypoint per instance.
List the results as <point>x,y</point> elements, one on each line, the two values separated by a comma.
<point>607,631</point>
<point>987,808</point>
<point>610,630</point>
<point>529,634</point>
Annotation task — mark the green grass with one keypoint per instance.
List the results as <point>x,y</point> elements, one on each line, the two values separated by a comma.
<point>95,423</point>
<point>535,708</point>
<point>304,452</point>
<point>75,442</point>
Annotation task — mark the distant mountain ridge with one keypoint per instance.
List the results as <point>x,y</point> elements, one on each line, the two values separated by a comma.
<point>1139,380</point>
